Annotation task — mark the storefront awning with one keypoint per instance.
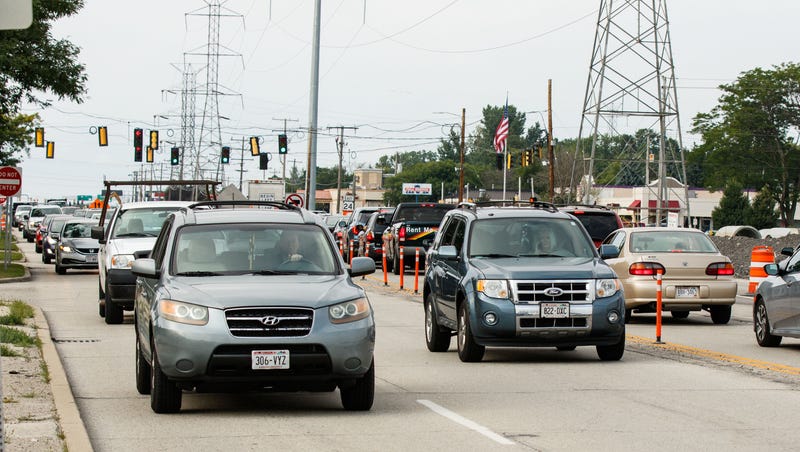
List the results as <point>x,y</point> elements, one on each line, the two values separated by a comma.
<point>672,204</point>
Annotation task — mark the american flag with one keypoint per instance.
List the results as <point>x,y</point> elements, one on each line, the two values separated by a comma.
<point>501,135</point>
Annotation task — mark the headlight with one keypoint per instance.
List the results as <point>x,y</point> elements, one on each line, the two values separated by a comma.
<point>65,248</point>
<point>181,312</point>
<point>51,240</point>
<point>349,311</point>
<point>606,287</point>
<point>495,288</point>
<point>122,260</point>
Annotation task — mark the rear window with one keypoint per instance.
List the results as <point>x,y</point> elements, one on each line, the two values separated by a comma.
<point>431,213</point>
<point>598,224</point>
<point>42,211</point>
<point>671,242</point>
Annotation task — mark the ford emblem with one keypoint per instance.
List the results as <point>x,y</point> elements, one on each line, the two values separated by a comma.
<point>270,320</point>
<point>553,292</point>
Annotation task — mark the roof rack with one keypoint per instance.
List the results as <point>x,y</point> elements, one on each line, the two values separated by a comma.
<point>511,203</point>
<point>217,204</point>
<point>594,206</point>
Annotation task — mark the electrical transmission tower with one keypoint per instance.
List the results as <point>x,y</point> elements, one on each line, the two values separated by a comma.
<point>205,155</point>
<point>631,101</point>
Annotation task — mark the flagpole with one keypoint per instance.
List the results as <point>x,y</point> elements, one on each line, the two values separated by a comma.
<point>505,149</point>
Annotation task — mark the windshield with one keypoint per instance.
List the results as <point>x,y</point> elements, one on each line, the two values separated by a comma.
<point>141,222</point>
<point>528,237</point>
<point>42,211</point>
<point>77,230</point>
<point>264,249</point>
<point>671,242</point>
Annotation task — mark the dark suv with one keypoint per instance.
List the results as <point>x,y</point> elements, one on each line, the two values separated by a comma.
<point>520,276</point>
<point>599,221</point>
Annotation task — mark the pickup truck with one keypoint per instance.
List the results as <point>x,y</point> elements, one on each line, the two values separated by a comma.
<point>413,226</point>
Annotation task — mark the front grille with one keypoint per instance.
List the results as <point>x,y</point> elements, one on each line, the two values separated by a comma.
<point>87,250</point>
<point>269,322</point>
<point>579,322</point>
<point>562,291</point>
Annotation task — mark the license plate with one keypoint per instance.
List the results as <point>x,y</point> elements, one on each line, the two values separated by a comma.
<point>555,310</point>
<point>686,292</point>
<point>269,359</point>
<point>92,259</point>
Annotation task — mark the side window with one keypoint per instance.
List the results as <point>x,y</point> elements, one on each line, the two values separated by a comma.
<point>619,240</point>
<point>794,263</point>
<point>458,236</point>
<point>447,233</point>
<point>160,247</point>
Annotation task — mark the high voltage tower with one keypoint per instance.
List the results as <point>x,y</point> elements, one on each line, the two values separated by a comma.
<point>204,156</point>
<point>631,87</point>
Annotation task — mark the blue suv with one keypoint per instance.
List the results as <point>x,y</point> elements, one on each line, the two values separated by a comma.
<point>511,276</point>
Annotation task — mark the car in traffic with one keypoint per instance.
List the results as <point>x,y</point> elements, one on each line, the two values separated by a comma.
<point>20,209</point>
<point>599,221</point>
<point>520,276</point>
<point>50,230</point>
<point>34,217</point>
<point>353,226</point>
<point>695,275</point>
<point>777,301</point>
<point>130,233</point>
<point>370,240</point>
<point>76,248</point>
<point>235,299</point>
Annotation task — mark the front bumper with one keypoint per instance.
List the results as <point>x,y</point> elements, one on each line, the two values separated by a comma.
<point>78,260</point>
<point>710,292</point>
<point>521,324</point>
<point>209,355</point>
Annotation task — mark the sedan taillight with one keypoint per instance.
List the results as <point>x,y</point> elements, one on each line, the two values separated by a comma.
<point>720,269</point>
<point>370,237</point>
<point>646,268</point>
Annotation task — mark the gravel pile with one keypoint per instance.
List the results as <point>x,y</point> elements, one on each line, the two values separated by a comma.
<point>739,249</point>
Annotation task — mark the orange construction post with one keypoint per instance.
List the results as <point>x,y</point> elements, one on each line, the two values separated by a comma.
<point>658,306</point>
<point>351,253</point>
<point>401,268</point>
<point>759,257</point>
<point>341,248</point>
<point>385,273</point>
<point>416,271</point>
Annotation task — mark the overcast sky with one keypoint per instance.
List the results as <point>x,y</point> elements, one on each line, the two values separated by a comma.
<point>386,67</point>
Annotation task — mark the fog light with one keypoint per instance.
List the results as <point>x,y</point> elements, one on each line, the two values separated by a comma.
<point>613,316</point>
<point>184,365</point>
<point>352,363</point>
<point>490,318</point>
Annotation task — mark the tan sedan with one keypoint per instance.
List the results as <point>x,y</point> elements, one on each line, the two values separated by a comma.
<point>695,276</point>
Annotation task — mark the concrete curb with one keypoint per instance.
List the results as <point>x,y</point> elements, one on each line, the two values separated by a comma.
<point>25,277</point>
<point>69,418</point>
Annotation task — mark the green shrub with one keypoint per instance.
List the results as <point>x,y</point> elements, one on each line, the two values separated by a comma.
<point>14,336</point>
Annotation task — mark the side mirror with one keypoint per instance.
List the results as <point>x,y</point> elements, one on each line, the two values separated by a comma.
<point>146,268</point>
<point>772,269</point>
<point>608,251</point>
<point>787,251</point>
<point>98,233</point>
<point>26,217</point>
<point>448,252</point>
<point>359,266</point>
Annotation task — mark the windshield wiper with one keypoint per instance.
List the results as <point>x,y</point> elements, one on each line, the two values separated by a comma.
<point>198,273</point>
<point>494,255</point>
<point>541,255</point>
<point>272,272</point>
<point>134,234</point>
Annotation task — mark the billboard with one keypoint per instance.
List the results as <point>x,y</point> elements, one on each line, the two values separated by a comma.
<point>417,189</point>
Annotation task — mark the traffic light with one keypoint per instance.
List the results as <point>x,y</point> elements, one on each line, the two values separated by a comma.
<point>500,161</point>
<point>51,149</point>
<point>138,135</point>
<point>102,136</point>
<point>254,148</point>
<point>39,142</point>
<point>175,156</point>
<point>149,154</point>
<point>225,156</point>
<point>509,164</point>
<point>263,161</point>
<point>283,144</point>
<point>154,139</point>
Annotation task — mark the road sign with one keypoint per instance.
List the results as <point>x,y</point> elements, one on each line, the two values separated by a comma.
<point>10,181</point>
<point>84,197</point>
<point>2,199</point>
<point>295,199</point>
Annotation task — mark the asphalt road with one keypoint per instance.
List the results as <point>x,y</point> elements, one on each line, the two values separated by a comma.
<point>708,387</point>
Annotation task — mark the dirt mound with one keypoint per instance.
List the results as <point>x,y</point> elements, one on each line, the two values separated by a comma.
<point>739,249</point>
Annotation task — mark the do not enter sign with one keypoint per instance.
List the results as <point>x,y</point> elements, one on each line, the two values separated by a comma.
<point>10,181</point>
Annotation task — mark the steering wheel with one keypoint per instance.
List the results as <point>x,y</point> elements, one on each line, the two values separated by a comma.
<point>302,264</point>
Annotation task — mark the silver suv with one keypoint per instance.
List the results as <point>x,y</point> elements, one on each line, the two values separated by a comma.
<point>251,298</point>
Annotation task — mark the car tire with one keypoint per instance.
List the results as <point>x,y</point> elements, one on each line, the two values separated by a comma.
<point>100,292</point>
<point>720,315</point>
<point>679,314</point>
<point>389,264</point>
<point>165,395</point>
<point>566,348</point>
<point>46,259</point>
<point>436,339</point>
<point>30,239</point>
<point>60,270</point>
<point>764,335</point>
<point>612,352</point>
<point>395,265</point>
<point>468,350</point>
<point>113,312</point>
<point>143,370</point>
<point>628,315</point>
<point>359,396</point>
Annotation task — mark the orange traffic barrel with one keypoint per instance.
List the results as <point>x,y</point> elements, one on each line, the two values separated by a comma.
<point>760,256</point>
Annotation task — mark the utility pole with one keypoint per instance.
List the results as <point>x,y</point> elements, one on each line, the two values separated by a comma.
<point>461,167</point>
<point>550,156</point>
<point>283,157</point>
<point>313,108</point>
<point>340,148</point>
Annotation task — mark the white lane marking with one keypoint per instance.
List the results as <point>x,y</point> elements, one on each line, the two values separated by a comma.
<point>458,419</point>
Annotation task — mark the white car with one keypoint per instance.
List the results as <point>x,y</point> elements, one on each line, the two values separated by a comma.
<point>130,233</point>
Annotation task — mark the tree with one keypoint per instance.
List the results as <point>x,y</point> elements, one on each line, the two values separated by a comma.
<point>762,213</point>
<point>733,207</point>
<point>749,128</point>
<point>33,63</point>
